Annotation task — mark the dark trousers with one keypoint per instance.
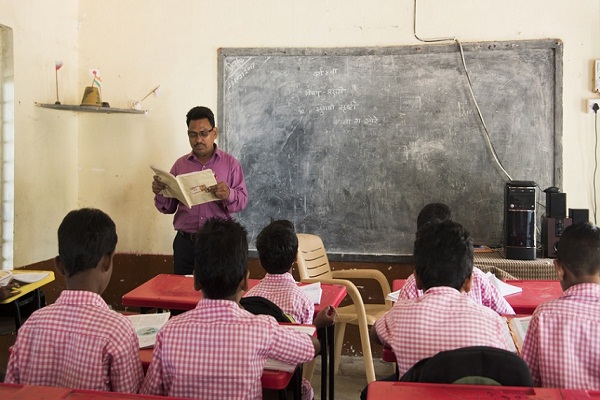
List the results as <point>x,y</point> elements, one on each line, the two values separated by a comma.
<point>183,254</point>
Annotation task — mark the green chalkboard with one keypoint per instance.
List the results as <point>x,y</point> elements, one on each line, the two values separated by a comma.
<point>349,143</point>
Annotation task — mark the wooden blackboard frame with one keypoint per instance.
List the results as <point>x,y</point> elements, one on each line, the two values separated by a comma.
<point>226,108</point>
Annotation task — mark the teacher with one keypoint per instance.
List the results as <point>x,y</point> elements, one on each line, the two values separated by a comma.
<point>230,188</point>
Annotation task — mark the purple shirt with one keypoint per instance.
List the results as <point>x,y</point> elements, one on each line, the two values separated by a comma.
<point>226,169</point>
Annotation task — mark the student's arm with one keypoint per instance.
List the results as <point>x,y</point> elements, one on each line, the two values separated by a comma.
<point>530,351</point>
<point>126,373</point>
<point>153,383</point>
<point>325,317</point>
<point>316,344</point>
<point>374,336</point>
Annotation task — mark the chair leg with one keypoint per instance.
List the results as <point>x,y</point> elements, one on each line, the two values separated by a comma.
<point>340,330</point>
<point>367,355</point>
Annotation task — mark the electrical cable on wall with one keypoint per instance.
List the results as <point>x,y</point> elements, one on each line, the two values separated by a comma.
<point>486,133</point>
<point>594,205</point>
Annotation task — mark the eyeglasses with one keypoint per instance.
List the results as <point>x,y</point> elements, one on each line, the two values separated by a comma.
<point>204,134</point>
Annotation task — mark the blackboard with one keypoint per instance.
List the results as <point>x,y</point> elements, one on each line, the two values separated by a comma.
<point>350,143</point>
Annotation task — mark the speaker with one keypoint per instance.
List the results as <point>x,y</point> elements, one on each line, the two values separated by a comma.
<point>552,229</point>
<point>556,205</point>
<point>579,215</point>
<point>519,220</point>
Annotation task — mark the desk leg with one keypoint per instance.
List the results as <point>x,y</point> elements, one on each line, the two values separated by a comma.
<point>331,344</point>
<point>323,337</point>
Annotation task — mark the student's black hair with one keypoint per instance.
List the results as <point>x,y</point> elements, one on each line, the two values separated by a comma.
<point>277,245</point>
<point>199,112</point>
<point>431,211</point>
<point>578,249</point>
<point>84,237</point>
<point>220,257</point>
<point>443,254</point>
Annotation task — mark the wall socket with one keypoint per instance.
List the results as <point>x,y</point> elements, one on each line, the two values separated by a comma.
<point>590,105</point>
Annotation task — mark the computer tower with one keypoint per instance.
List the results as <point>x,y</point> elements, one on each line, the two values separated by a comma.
<point>520,220</point>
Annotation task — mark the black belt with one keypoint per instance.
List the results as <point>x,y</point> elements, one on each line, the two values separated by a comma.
<point>187,235</point>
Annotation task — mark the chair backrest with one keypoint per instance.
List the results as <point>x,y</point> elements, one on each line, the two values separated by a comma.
<point>258,305</point>
<point>312,257</point>
<point>480,365</point>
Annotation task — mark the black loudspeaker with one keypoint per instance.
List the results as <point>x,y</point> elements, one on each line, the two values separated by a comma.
<point>519,220</point>
<point>552,229</point>
<point>556,205</point>
<point>579,215</point>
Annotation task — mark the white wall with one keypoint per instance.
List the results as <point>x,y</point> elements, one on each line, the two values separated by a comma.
<point>46,148</point>
<point>138,44</point>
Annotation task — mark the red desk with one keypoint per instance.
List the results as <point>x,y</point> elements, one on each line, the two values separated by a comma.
<point>171,291</point>
<point>435,391</point>
<point>28,392</point>
<point>534,293</point>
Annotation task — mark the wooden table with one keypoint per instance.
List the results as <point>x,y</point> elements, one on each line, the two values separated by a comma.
<point>380,390</point>
<point>171,291</point>
<point>17,300</point>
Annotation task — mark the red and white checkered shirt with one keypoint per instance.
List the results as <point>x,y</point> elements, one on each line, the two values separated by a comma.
<point>482,292</point>
<point>283,290</point>
<point>77,342</point>
<point>442,319</point>
<point>562,344</point>
<point>218,351</point>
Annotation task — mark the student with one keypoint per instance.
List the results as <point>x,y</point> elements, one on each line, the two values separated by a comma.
<point>277,246</point>
<point>562,345</point>
<point>218,350</point>
<point>230,188</point>
<point>78,342</point>
<point>482,290</point>
<point>443,318</point>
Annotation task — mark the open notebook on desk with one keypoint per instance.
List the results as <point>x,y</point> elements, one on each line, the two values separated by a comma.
<point>516,328</point>
<point>146,327</point>
<point>504,288</point>
<point>313,291</point>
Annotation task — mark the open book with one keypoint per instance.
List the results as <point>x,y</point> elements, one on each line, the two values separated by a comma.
<point>190,189</point>
<point>516,328</point>
<point>147,326</point>
<point>504,288</point>
<point>280,365</point>
<point>313,291</point>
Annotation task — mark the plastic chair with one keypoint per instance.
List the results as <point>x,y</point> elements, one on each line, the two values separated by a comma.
<point>313,266</point>
<point>476,365</point>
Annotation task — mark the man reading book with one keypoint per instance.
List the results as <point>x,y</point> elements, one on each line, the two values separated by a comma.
<point>230,188</point>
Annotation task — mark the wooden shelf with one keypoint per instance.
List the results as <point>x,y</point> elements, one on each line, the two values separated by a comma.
<point>92,109</point>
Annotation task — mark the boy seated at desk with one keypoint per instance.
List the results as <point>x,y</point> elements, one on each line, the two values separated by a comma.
<point>482,290</point>
<point>277,246</point>
<point>443,318</point>
<point>78,342</point>
<point>219,350</point>
<point>562,344</point>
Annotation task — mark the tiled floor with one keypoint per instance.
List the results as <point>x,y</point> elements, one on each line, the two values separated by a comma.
<point>350,380</point>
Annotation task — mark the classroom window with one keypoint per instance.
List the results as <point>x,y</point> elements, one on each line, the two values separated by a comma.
<point>7,135</point>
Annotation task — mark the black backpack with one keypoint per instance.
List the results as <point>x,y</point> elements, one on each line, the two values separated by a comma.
<point>481,365</point>
<point>260,306</point>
